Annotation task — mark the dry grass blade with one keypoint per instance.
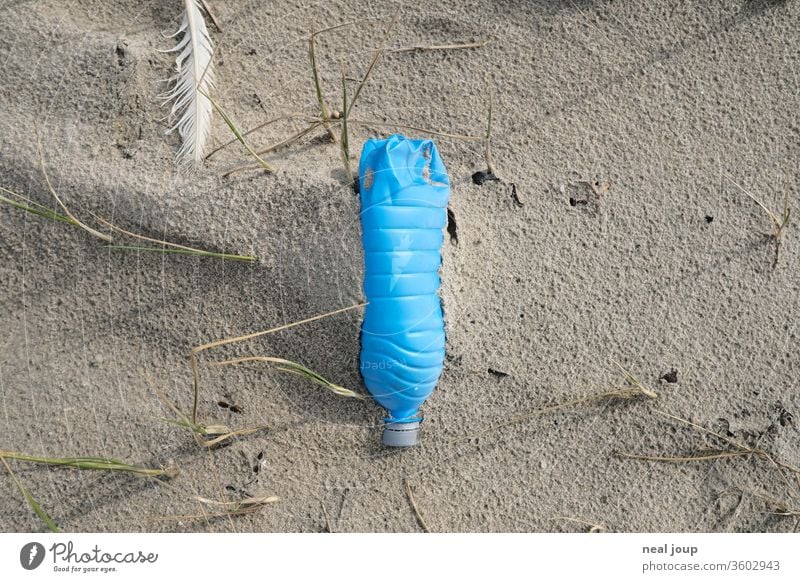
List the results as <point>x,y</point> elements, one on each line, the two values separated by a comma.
<point>636,390</point>
<point>780,507</point>
<point>741,451</point>
<point>239,136</point>
<point>412,502</point>
<point>28,205</point>
<point>240,507</point>
<point>90,463</point>
<point>458,136</point>
<point>780,465</point>
<point>316,123</point>
<point>487,152</point>
<point>194,253</point>
<point>257,128</point>
<point>779,223</point>
<point>227,509</point>
<point>439,47</point>
<point>37,509</point>
<point>593,527</point>
<point>776,222</point>
<point>227,341</point>
<point>375,58</point>
<point>232,434</point>
<point>787,512</point>
<point>706,430</point>
<point>323,106</point>
<point>55,195</point>
<point>327,119</point>
<point>294,368</point>
<point>328,526</point>
<point>177,248</point>
<point>289,140</point>
<point>678,459</point>
<point>635,382</point>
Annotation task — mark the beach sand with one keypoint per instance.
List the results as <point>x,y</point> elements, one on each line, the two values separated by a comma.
<point>624,128</point>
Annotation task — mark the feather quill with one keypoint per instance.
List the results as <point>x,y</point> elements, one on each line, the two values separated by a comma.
<point>193,82</point>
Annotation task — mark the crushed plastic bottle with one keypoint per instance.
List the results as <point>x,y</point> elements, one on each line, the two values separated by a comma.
<point>404,191</point>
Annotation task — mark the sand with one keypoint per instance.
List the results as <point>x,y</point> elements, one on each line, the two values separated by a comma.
<point>664,104</point>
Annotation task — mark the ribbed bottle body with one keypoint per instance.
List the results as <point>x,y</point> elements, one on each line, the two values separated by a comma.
<point>404,191</point>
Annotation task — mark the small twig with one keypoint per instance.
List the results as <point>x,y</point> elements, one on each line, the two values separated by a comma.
<point>414,508</point>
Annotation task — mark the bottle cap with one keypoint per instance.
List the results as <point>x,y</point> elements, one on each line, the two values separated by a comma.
<point>400,434</point>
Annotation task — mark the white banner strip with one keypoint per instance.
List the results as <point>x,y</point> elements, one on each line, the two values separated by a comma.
<point>440,557</point>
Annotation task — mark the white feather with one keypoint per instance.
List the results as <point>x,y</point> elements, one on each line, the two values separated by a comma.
<point>194,80</point>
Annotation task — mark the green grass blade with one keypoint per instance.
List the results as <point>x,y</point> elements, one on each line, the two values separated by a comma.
<point>51,525</point>
<point>88,463</point>
<point>34,208</point>
<point>323,107</point>
<point>345,136</point>
<point>235,130</point>
<point>295,368</point>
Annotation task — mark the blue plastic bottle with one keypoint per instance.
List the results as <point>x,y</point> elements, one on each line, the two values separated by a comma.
<point>404,190</point>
